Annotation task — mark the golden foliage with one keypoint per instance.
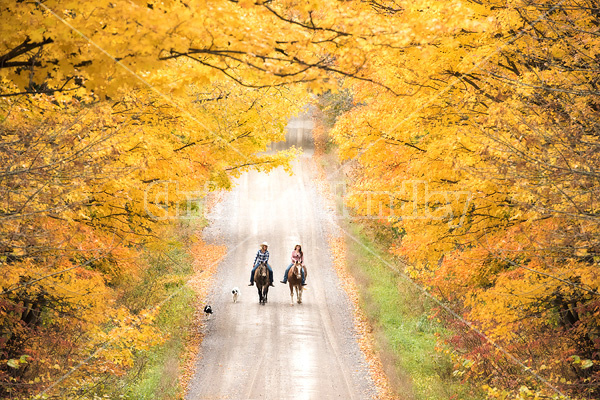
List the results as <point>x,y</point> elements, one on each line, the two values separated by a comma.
<point>106,135</point>
<point>486,168</point>
<point>473,131</point>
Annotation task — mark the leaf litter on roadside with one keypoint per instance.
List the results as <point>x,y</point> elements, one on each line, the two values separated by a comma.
<point>337,246</point>
<point>206,259</point>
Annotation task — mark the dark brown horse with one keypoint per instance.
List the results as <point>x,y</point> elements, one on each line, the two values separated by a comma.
<point>295,281</point>
<point>261,278</point>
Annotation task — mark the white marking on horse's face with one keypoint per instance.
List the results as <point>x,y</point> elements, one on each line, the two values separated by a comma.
<point>298,271</point>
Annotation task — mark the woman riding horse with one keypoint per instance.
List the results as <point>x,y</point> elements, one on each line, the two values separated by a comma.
<point>262,256</point>
<point>297,256</point>
<point>295,281</point>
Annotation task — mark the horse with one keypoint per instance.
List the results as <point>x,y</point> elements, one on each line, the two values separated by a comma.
<point>295,281</point>
<point>261,278</point>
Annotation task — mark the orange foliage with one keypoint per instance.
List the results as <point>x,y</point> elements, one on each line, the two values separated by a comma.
<point>486,167</point>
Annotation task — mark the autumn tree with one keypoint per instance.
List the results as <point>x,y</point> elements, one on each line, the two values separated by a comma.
<point>96,155</point>
<point>473,131</point>
<point>488,164</point>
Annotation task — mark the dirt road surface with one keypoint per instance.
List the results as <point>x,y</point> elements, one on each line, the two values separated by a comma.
<point>278,350</point>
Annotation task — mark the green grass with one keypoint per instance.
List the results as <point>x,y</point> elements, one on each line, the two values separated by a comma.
<point>159,376</point>
<point>155,375</point>
<point>398,311</point>
<point>405,335</point>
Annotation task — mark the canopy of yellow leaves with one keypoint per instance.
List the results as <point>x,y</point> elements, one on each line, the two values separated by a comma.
<point>485,165</point>
<point>473,133</point>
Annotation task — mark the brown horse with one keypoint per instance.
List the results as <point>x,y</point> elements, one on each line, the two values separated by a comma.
<point>261,278</point>
<point>295,281</point>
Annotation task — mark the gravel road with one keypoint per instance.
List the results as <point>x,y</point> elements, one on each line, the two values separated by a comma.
<point>279,350</point>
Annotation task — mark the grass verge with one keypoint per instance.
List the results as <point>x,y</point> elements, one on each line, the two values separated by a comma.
<point>162,364</point>
<point>156,373</point>
<point>405,331</point>
<point>158,369</point>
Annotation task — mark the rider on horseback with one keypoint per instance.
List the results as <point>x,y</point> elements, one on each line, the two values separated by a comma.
<point>297,256</point>
<point>262,256</point>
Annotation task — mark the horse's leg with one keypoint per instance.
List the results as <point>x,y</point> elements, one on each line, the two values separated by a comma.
<point>299,288</point>
<point>266,291</point>
<point>291,291</point>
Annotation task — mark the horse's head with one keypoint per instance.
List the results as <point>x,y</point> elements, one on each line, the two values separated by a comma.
<point>263,269</point>
<point>297,270</point>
